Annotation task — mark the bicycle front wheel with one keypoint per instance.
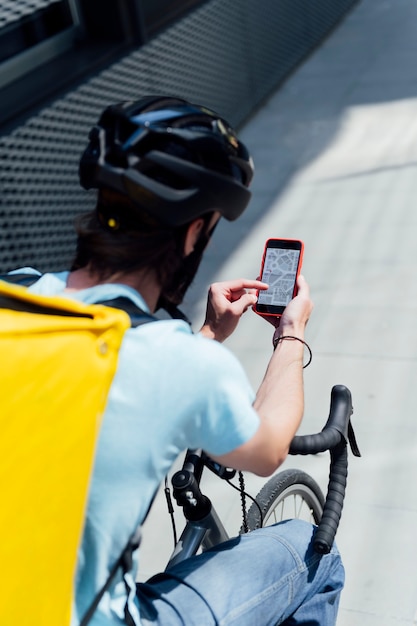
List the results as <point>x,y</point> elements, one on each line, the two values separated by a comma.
<point>287,495</point>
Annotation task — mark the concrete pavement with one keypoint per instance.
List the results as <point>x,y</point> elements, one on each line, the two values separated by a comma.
<point>335,150</point>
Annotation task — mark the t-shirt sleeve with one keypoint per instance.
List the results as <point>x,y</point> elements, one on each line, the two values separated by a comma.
<point>225,418</point>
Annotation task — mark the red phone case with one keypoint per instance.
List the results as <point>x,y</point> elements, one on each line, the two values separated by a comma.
<point>300,262</point>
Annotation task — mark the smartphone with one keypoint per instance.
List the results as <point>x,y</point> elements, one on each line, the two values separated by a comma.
<point>281,264</point>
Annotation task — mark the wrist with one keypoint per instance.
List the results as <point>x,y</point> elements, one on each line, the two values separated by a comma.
<point>293,339</point>
<point>207,332</point>
<point>295,330</point>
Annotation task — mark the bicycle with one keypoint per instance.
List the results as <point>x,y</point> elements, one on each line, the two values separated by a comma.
<point>204,528</point>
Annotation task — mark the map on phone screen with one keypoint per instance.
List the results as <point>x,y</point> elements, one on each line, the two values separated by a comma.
<point>280,269</point>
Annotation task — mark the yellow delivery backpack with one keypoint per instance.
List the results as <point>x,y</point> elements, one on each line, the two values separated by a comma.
<point>58,358</point>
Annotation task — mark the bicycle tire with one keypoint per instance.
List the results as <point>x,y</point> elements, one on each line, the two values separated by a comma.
<point>289,494</point>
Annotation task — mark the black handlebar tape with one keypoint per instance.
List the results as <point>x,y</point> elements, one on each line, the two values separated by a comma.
<point>312,444</point>
<point>333,437</point>
<point>327,528</point>
<point>335,429</point>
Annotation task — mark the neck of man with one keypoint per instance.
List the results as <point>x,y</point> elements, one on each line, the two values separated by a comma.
<point>143,282</point>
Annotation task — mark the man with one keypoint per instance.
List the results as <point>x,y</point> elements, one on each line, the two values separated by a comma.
<point>166,171</point>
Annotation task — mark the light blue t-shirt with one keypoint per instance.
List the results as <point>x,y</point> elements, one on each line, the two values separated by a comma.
<point>172,390</point>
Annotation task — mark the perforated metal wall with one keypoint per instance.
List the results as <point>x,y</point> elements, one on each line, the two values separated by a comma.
<point>228,54</point>
<point>12,10</point>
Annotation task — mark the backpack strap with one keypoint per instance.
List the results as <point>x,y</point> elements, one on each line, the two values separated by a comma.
<point>125,563</point>
<point>25,279</point>
<point>136,314</point>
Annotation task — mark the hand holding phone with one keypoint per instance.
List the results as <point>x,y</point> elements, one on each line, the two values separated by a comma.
<point>281,265</point>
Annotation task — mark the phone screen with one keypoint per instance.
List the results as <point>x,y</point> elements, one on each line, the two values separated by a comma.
<point>281,264</point>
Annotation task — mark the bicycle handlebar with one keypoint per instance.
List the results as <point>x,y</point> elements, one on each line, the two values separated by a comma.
<point>335,436</point>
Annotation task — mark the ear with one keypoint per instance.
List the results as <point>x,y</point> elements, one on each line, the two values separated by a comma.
<point>192,235</point>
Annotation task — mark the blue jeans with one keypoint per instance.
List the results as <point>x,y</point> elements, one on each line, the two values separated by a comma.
<point>267,577</point>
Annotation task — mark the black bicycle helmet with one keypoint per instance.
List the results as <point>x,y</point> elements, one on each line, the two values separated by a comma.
<point>175,160</point>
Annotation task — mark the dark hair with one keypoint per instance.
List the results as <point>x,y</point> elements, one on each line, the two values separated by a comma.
<point>109,241</point>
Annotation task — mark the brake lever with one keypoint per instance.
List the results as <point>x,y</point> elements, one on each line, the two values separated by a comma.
<point>352,440</point>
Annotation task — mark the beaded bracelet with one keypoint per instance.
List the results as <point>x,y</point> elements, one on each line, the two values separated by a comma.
<point>310,354</point>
